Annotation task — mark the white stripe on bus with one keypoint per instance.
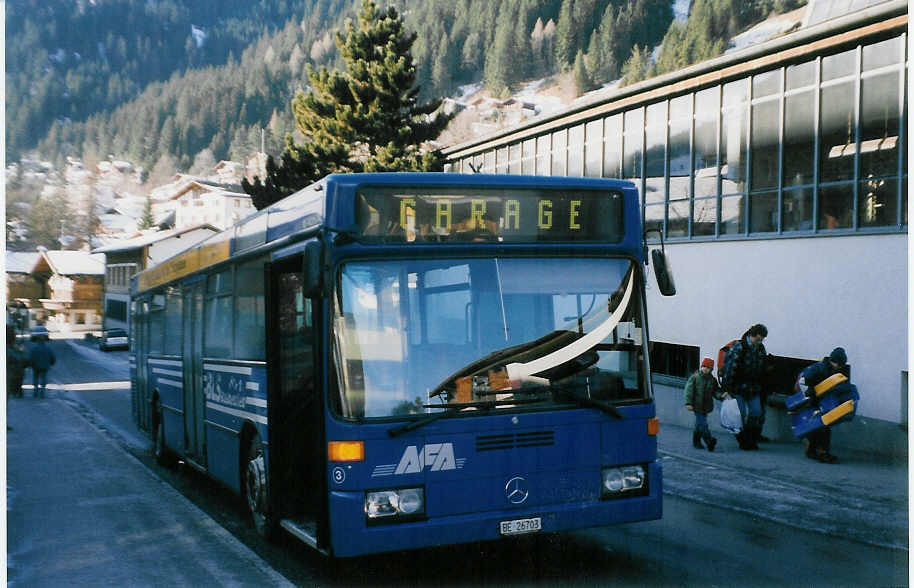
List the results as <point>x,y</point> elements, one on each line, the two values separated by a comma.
<point>252,386</point>
<point>170,362</point>
<point>231,369</point>
<point>255,401</point>
<point>168,382</point>
<point>167,372</point>
<point>238,413</point>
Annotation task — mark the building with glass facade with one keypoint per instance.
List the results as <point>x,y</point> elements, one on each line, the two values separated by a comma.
<point>778,176</point>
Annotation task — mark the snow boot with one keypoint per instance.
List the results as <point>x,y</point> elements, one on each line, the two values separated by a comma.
<point>696,440</point>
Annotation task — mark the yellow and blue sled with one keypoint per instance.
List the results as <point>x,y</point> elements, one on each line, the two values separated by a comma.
<point>835,402</point>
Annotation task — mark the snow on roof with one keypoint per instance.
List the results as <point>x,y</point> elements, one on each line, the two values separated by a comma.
<point>150,238</point>
<point>21,262</point>
<point>767,30</point>
<point>71,263</point>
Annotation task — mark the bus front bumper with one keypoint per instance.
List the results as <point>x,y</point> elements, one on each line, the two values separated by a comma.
<point>351,536</point>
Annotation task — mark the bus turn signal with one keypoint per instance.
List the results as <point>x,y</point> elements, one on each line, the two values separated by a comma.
<point>653,426</point>
<point>346,450</point>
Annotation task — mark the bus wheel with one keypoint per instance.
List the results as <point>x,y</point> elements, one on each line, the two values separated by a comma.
<point>255,487</point>
<point>163,456</point>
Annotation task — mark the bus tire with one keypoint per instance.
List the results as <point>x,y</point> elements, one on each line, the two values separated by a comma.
<point>163,456</point>
<point>255,487</point>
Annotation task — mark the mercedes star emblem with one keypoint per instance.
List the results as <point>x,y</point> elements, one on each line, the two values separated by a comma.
<point>516,490</point>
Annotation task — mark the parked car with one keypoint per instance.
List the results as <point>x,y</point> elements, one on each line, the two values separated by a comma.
<point>113,339</point>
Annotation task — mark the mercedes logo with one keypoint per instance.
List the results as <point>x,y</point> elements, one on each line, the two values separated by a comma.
<point>516,490</point>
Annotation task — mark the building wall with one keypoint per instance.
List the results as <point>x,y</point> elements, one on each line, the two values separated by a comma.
<point>812,294</point>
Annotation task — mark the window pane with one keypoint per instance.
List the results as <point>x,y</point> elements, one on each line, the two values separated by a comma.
<point>218,327</point>
<point>879,126</point>
<point>765,119</point>
<point>836,207</point>
<point>763,212</point>
<point>734,138</point>
<point>543,158</point>
<point>501,160</point>
<point>654,153</point>
<point>836,151</point>
<point>157,332</point>
<point>732,215</point>
<point>704,149</point>
<point>250,334</point>
<point>680,129</point>
<point>559,152</point>
<point>653,216</point>
<point>797,210</point>
<point>801,75</point>
<point>593,150</point>
<point>489,158</point>
<point>677,224</point>
<point>612,147</point>
<point>766,84</point>
<point>173,321</point>
<point>219,283</point>
<point>799,138</point>
<point>576,151</point>
<point>527,163</point>
<point>514,152</point>
<point>882,54</point>
<point>840,65</point>
<point>878,203</point>
<point>631,165</point>
<point>705,215</point>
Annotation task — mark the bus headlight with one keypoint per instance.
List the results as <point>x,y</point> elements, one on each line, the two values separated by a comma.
<point>405,502</point>
<point>617,481</point>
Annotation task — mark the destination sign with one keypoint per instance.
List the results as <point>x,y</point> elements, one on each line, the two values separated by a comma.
<point>489,215</point>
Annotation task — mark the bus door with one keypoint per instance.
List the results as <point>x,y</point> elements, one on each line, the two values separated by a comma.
<point>141,407</point>
<point>297,446</point>
<point>194,403</point>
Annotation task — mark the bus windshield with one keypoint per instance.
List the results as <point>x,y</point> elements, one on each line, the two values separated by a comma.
<point>419,336</point>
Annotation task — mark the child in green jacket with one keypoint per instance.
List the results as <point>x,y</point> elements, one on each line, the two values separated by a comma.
<point>700,391</point>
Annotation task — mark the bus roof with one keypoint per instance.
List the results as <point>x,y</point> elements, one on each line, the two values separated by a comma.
<point>317,205</point>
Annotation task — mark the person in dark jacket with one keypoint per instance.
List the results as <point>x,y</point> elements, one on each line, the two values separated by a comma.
<point>16,361</point>
<point>819,441</point>
<point>745,366</point>
<point>41,358</point>
<point>700,391</point>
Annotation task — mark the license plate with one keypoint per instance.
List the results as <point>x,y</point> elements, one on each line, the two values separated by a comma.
<point>520,526</point>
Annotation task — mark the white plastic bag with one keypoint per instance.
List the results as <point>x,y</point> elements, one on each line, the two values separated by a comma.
<point>730,418</point>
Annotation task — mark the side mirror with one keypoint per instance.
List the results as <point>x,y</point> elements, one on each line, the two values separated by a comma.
<point>312,266</point>
<point>663,273</point>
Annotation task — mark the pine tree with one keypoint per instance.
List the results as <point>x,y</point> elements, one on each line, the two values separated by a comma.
<point>147,221</point>
<point>565,36</point>
<point>582,81</point>
<point>366,118</point>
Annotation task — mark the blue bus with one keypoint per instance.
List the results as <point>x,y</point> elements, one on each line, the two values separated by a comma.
<point>391,361</point>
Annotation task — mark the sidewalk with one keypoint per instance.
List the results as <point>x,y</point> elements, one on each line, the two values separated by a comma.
<point>863,497</point>
<point>80,511</point>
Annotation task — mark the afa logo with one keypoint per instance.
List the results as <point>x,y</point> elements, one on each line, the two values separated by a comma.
<point>435,456</point>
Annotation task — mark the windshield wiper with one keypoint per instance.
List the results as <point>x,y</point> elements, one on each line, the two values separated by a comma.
<point>454,409</point>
